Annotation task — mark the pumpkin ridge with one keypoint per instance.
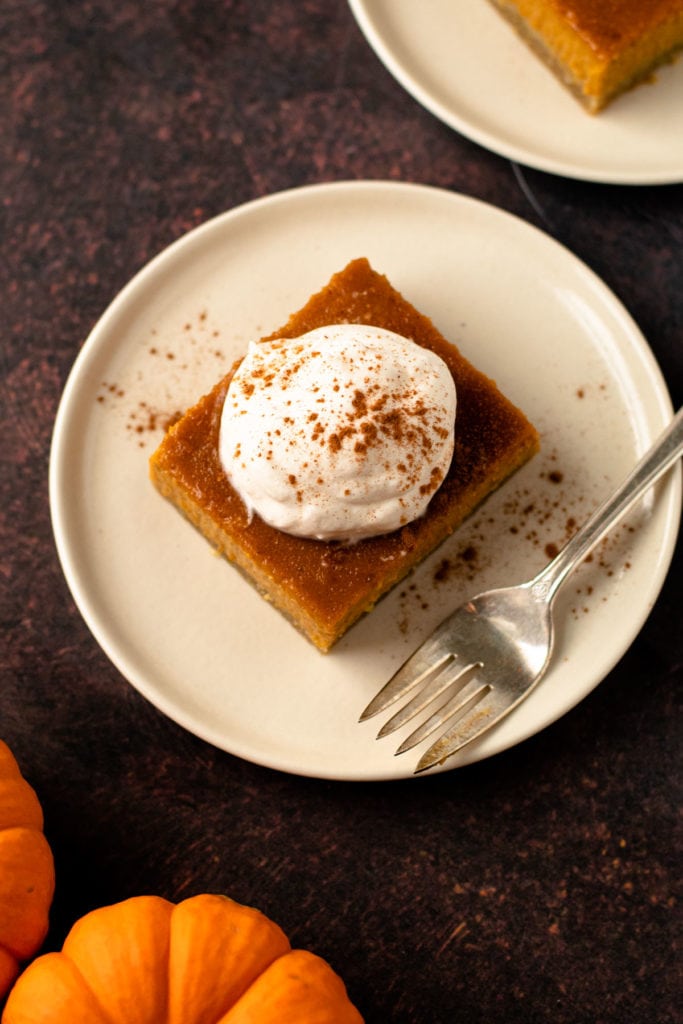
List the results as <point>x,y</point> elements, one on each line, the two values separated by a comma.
<point>93,995</point>
<point>52,988</point>
<point>26,889</point>
<point>220,943</point>
<point>9,968</point>
<point>131,936</point>
<point>27,873</point>
<point>299,987</point>
<point>19,804</point>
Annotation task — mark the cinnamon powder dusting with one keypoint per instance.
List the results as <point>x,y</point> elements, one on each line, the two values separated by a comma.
<point>148,418</point>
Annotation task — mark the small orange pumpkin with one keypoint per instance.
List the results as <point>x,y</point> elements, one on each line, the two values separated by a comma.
<point>206,960</point>
<point>27,873</point>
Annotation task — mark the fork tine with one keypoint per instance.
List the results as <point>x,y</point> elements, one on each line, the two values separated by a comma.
<point>485,714</point>
<point>454,709</point>
<point>451,672</point>
<point>419,667</point>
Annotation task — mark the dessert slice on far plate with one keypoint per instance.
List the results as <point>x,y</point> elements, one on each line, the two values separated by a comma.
<point>326,465</point>
<point>599,48</point>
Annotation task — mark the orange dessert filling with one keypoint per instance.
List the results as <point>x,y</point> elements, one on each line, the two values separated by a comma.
<point>325,585</point>
<point>599,48</point>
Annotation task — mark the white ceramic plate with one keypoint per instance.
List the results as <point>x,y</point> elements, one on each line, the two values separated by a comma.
<point>187,630</point>
<point>468,67</point>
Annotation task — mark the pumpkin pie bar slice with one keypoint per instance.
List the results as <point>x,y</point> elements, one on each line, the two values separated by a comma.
<point>599,48</point>
<point>324,587</point>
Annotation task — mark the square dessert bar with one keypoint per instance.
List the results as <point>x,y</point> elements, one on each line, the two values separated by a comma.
<point>323,587</point>
<point>598,48</point>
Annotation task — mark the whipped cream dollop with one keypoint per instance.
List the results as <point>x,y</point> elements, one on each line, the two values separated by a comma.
<point>343,433</point>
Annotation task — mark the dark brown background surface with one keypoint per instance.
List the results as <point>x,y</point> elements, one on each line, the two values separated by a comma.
<point>538,886</point>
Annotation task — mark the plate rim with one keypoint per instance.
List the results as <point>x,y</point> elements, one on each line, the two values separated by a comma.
<point>92,344</point>
<point>488,140</point>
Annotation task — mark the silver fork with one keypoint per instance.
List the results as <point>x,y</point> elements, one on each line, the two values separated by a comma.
<point>487,656</point>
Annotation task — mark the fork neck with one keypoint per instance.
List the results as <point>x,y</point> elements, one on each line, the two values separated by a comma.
<point>654,463</point>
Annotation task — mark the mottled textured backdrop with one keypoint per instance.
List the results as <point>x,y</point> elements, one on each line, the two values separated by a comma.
<point>538,886</point>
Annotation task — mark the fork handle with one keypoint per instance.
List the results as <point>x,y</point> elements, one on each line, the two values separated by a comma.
<point>656,461</point>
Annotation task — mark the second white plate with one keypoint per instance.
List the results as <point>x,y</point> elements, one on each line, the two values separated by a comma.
<point>463,63</point>
<point>187,630</point>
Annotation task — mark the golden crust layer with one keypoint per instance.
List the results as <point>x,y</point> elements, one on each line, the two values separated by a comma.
<point>323,588</point>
